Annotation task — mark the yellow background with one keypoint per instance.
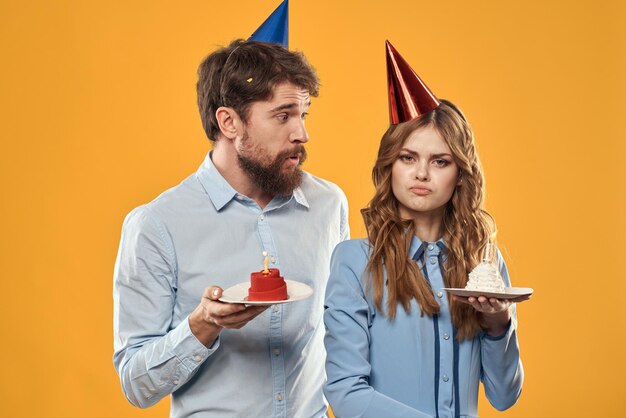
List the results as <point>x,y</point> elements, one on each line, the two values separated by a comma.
<point>98,115</point>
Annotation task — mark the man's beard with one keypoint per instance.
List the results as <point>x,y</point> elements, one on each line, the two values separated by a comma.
<point>271,178</point>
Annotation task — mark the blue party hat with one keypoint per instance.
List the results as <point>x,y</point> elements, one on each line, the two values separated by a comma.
<point>275,29</point>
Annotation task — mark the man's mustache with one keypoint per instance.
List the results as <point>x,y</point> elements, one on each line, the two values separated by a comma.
<point>296,150</point>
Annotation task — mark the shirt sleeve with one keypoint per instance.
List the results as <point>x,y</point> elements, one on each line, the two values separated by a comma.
<point>502,371</point>
<point>152,358</point>
<point>347,319</point>
<point>345,225</point>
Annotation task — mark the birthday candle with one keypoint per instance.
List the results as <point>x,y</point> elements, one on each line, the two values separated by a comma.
<point>265,262</point>
<point>487,257</point>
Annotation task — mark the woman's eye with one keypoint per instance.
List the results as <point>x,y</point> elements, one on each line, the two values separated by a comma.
<point>441,162</point>
<point>406,158</point>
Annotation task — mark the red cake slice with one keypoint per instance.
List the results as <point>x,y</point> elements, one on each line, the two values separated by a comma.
<point>267,286</point>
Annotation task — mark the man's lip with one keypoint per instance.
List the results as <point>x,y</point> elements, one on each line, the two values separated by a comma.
<point>419,190</point>
<point>293,159</point>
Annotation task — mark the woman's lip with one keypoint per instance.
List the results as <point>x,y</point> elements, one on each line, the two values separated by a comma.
<point>422,191</point>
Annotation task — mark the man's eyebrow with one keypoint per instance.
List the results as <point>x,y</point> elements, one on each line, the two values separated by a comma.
<point>287,106</point>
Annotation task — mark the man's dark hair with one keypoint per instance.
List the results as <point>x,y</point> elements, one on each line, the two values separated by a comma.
<point>246,72</point>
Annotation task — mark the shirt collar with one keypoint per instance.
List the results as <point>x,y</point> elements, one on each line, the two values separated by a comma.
<point>221,192</point>
<point>416,251</point>
<point>299,196</point>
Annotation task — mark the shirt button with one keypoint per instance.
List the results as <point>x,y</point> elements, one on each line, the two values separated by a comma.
<point>279,396</point>
<point>433,260</point>
<point>439,295</point>
<point>276,351</point>
<point>430,247</point>
<point>276,308</point>
<point>262,217</point>
<point>446,336</point>
<point>175,381</point>
<point>445,378</point>
<point>273,259</point>
<point>197,357</point>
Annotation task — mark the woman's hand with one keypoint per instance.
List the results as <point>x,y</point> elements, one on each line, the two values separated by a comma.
<point>495,313</point>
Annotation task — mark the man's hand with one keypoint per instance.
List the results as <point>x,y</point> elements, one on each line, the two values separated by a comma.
<point>496,313</point>
<point>211,316</point>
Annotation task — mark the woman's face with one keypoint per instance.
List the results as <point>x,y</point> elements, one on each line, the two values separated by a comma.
<point>425,175</point>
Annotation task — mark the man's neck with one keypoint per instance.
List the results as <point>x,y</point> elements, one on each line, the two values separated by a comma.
<point>224,157</point>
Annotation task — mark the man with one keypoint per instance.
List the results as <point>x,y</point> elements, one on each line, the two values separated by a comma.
<point>177,253</point>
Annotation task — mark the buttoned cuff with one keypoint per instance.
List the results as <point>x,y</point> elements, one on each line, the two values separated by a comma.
<point>189,350</point>
<point>505,335</point>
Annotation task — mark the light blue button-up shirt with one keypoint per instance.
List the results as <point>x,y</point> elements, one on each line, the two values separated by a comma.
<point>202,233</point>
<point>412,366</point>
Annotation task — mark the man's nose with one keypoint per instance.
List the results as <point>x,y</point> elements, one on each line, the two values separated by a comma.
<point>299,133</point>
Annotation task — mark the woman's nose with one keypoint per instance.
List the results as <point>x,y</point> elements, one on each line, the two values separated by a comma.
<point>421,171</point>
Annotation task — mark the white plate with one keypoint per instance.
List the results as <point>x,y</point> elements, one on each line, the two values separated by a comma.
<point>239,294</point>
<point>509,292</point>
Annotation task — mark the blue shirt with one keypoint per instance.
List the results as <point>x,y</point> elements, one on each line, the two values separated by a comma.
<point>412,366</point>
<point>202,233</point>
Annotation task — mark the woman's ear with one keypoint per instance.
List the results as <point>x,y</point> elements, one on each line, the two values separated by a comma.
<point>228,121</point>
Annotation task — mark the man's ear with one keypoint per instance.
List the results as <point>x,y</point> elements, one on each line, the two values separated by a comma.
<point>229,122</point>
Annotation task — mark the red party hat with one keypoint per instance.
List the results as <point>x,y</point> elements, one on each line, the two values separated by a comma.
<point>409,97</point>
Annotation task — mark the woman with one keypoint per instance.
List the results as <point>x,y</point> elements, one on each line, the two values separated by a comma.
<point>396,345</point>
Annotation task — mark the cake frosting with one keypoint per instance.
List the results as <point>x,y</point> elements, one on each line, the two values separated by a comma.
<point>267,286</point>
<point>485,278</point>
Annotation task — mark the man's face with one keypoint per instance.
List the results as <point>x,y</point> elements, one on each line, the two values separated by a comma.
<point>271,149</point>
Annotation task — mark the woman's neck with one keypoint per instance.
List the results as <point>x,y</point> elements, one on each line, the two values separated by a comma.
<point>428,226</point>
